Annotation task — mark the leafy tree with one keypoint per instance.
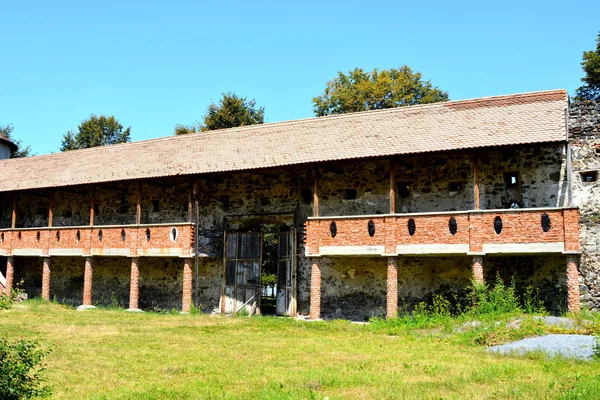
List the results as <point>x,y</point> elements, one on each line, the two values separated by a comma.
<point>591,67</point>
<point>6,130</point>
<point>20,367</point>
<point>95,131</point>
<point>232,111</point>
<point>361,91</point>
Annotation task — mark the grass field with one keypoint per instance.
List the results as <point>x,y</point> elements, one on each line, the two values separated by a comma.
<point>112,354</point>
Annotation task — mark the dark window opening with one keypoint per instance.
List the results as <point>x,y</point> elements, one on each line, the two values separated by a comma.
<point>412,227</point>
<point>333,229</point>
<point>598,149</point>
<point>371,228</point>
<point>403,189</point>
<point>455,186</point>
<point>306,195</point>
<point>57,236</point>
<point>224,200</point>
<point>350,194</point>
<point>589,176</point>
<point>498,225</point>
<point>511,180</point>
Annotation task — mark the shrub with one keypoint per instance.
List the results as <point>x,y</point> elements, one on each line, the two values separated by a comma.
<point>532,304</point>
<point>20,366</point>
<point>498,300</point>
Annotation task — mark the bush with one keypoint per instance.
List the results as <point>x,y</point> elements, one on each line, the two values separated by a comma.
<point>500,299</point>
<point>20,366</point>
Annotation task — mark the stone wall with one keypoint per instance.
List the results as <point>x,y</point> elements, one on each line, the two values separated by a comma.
<point>584,130</point>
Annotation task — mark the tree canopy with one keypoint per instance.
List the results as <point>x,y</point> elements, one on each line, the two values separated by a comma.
<point>22,151</point>
<point>232,111</point>
<point>95,131</point>
<point>591,66</point>
<point>361,91</point>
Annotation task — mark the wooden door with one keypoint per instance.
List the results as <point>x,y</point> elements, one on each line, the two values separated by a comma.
<point>286,274</point>
<point>243,258</point>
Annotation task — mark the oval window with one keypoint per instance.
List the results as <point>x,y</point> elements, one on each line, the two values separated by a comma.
<point>371,228</point>
<point>37,236</point>
<point>19,235</point>
<point>412,227</point>
<point>498,225</point>
<point>2,237</point>
<point>546,223</point>
<point>100,235</point>
<point>452,226</point>
<point>78,236</point>
<point>123,235</point>
<point>57,236</point>
<point>333,229</point>
<point>147,234</point>
<point>174,234</point>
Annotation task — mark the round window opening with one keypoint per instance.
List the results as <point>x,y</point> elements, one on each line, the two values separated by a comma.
<point>78,236</point>
<point>147,234</point>
<point>498,225</point>
<point>100,235</point>
<point>174,234</point>
<point>452,226</point>
<point>57,236</point>
<point>371,228</point>
<point>123,235</point>
<point>546,223</point>
<point>412,227</point>
<point>333,229</point>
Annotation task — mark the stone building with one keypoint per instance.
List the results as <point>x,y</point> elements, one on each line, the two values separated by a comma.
<point>356,215</point>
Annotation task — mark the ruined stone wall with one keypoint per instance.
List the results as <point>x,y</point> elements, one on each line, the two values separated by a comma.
<point>71,208</point>
<point>164,202</point>
<point>32,209</point>
<point>115,204</point>
<point>584,130</point>
<point>542,177</point>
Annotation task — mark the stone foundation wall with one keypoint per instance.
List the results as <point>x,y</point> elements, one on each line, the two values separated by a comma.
<point>584,130</point>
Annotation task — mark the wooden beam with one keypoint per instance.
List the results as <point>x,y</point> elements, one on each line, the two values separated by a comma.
<point>191,187</point>
<point>316,192</point>
<point>92,204</point>
<point>51,210</point>
<point>138,204</point>
<point>13,222</point>
<point>392,187</point>
<point>476,181</point>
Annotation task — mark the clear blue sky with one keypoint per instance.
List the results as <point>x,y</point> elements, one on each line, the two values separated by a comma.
<point>154,64</point>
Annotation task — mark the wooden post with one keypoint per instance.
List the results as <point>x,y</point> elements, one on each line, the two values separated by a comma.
<point>13,222</point>
<point>191,187</point>
<point>392,187</point>
<point>138,204</point>
<point>92,205</point>
<point>51,210</point>
<point>476,181</point>
<point>316,192</point>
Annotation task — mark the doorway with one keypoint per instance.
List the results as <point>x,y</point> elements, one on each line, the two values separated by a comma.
<point>260,270</point>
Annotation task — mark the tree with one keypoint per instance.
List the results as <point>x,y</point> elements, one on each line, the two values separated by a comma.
<point>95,131</point>
<point>6,130</point>
<point>591,67</point>
<point>361,91</point>
<point>232,111</point>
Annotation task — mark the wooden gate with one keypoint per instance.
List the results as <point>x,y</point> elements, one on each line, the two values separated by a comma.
<point>243,259</point>
<point>286,274</point>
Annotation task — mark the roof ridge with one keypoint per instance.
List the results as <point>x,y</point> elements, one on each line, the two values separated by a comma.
<point>301,121</point>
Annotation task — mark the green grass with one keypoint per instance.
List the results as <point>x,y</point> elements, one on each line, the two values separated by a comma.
<point>112,354</point>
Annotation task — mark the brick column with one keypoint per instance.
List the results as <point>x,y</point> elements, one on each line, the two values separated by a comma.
<point>87,281</point>
<point>478,270</point>
<point>134,284</point>
<point>186,302</point>
<point>392,287</point>
<point>315,289</point>
<point>46,279</point>
<point>10,275</point>
<point>573,298</point>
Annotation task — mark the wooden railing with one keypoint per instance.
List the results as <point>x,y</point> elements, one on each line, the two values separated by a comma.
<point>516,231</point>
<point>115,240</point>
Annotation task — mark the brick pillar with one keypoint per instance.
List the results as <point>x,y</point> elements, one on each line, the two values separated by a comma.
<point>87,281</point>
<point>46,279</point>
<point>315,289</point>
<point>186,302</point>
<point>10,275</point>
<point>392,288</point>
<point>134,284</point>
<point>478,270</point>
<point>573,299</point>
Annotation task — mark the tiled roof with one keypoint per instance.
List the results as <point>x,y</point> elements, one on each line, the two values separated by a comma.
<point>537,117</point>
